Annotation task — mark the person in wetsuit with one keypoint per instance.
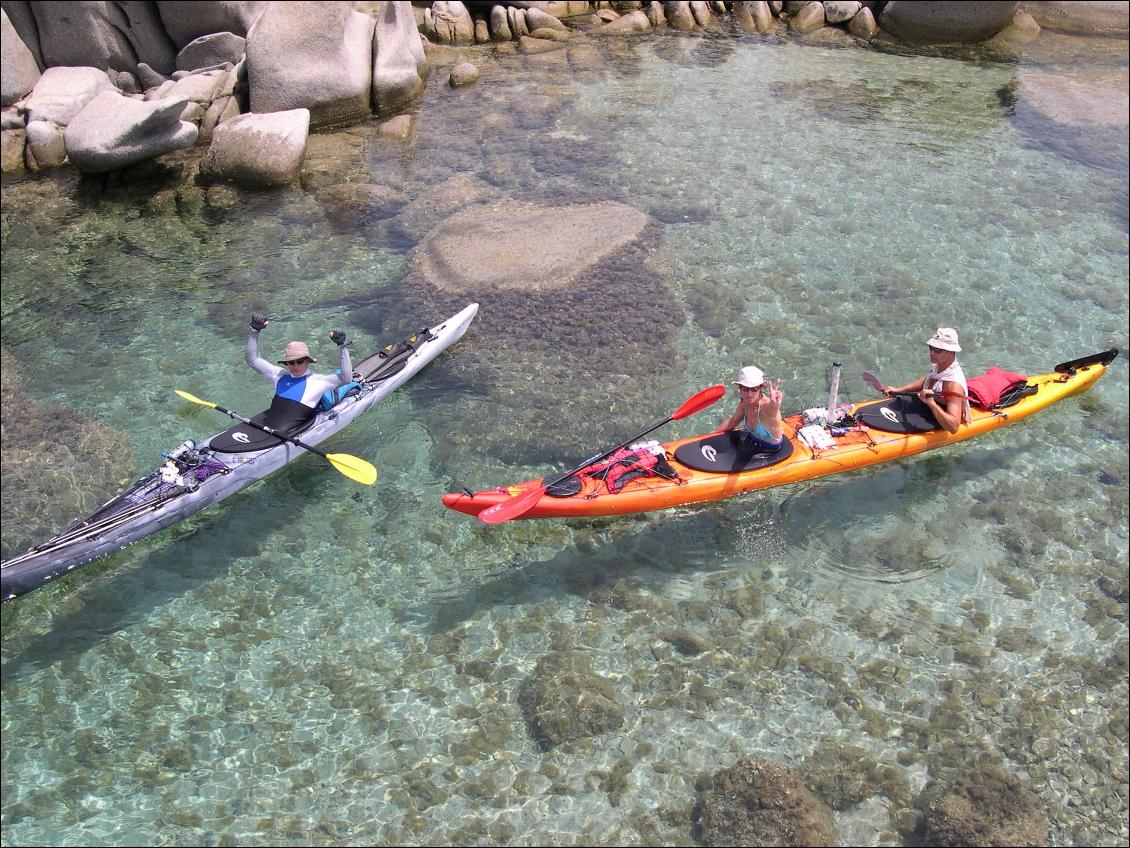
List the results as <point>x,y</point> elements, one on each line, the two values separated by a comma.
<point>758,414</point>
<point>946,375</point>
<point>297,388</point>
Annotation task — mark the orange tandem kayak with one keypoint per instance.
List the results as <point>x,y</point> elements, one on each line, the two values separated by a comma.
<point>716,466</point>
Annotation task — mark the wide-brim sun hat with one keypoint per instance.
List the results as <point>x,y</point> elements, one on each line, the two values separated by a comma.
<point>945,338</point>
<point>751,377</point>
<point>295,351</point>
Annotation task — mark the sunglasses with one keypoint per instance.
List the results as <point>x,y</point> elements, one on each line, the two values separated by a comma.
<point>290,362</point>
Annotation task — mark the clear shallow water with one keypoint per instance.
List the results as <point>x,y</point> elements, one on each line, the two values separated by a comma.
<point>309,663</point>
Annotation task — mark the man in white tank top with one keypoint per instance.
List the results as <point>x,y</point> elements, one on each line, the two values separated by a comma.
<point>945,382</point>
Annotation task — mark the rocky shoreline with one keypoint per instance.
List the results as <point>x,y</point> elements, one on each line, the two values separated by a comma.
<point>247,79</point>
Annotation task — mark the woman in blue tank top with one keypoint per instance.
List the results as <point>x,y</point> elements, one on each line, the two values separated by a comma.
<point>759,409</point>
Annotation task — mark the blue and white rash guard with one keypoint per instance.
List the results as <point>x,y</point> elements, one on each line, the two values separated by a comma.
<point>307,389</point>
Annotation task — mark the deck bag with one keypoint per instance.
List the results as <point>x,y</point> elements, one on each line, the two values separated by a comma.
<point>625,465</point>
<point>987,390</point>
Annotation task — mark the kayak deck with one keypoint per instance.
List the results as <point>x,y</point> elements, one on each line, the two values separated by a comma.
<point>857,448</point>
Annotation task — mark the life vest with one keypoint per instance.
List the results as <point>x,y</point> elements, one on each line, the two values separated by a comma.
<point>626,465</point>
<point>986,390</point>
<point>332,397</point>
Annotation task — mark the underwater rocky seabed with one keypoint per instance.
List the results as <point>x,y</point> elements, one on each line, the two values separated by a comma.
<point>314,663</point>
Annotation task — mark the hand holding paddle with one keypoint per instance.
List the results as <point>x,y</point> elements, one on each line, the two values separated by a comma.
<point>352,467</point>
<point>873,381</point>
<point>519,505</point>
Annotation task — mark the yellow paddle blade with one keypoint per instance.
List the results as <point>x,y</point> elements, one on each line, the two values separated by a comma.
<point>353,467</point>
<point>194,398</point>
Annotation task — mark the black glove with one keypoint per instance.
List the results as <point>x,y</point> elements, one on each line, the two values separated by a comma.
<point>338,338</point>
<point>258,320</point>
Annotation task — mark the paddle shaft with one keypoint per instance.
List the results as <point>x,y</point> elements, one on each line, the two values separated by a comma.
<point>873,381</point>
<point>609,453</point>
<point>521,504</point>
<point>936,394</point>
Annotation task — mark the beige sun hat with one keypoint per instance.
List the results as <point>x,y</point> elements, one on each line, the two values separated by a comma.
<point>751,377</point>
<point>945,338</point>
<point>296,350</point>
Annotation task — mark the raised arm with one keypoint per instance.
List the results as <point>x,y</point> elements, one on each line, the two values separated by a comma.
<point>346,372</point>
<point>251,352</point>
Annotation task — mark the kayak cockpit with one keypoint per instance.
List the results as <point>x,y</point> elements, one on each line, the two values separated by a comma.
<point>286,417</point>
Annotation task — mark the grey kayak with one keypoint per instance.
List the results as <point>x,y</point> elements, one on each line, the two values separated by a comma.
<point>207,474</point>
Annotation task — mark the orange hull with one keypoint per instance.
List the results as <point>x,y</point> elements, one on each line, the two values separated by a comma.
<point>856,449</point>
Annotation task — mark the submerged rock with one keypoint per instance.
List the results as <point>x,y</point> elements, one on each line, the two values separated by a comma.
<point>56,465</point>
<point>463,73</point>
<point>563,700</point>
<point>590,281</point>
<point>983,806</point>
<point>757,802</point>
<point>1082,116</point>
<point>844,775</point>
<point>516,245</point>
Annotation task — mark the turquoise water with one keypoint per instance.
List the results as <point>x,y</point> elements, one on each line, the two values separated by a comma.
<point>311,663</point>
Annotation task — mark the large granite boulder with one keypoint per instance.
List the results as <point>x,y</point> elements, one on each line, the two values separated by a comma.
<point>958,21</point>
<point>449,22</point>
<point>678,14</point>
<point>265,150</point>
<point>13,143</point>
<point>45,146</point>
<point>18,71</point>
<point>199,88</point>
<point>499,24</point>
<point>316,56</point>
<point>211,50</point>
<point>113,131</point>
<point>23,21</point>
<point>187,20</point>
<point>808,18</point>
<point>61,93</point>
<point>840,11</point>
<point>753,16</point>
<point>102,35</point>
<point>400,68</point>
<point>757,802</point>
<point>634,21</point>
